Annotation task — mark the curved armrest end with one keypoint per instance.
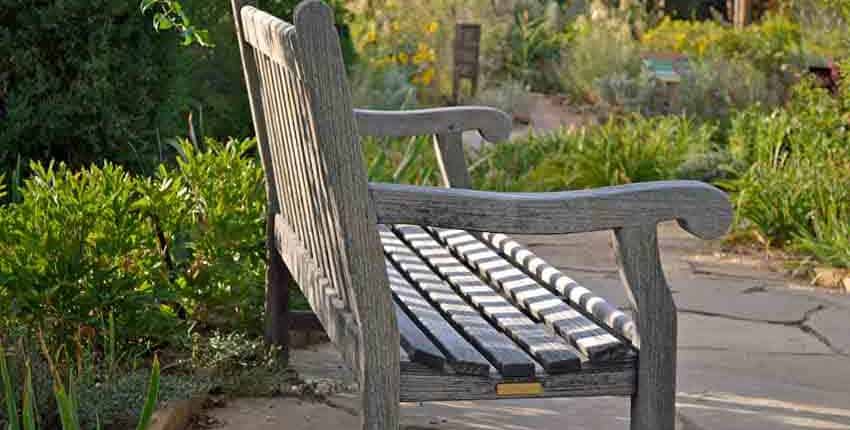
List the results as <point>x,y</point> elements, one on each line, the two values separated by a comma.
<point>712,218</point>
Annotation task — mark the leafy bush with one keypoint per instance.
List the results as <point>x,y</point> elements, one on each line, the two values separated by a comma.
<point>409,161</point>
<point>601,52</point>
<point>795,193</point>
<point>534,46</point>
<point>85,80</point>
<point>509,96</point>
<point>74,250</point>
<point>156,252</point>
<point>772,45</point>
<point>634,149</point>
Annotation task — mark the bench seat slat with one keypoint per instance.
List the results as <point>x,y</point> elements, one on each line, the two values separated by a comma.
<point>417,346</point>
<point>578,296</point>
<point>588,337</point>
<point>506,356</point>
<point>551,351</point>
<point>459,353</point>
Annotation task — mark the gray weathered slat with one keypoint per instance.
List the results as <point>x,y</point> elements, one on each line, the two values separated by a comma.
<point>578,296</point>
<point>419,348</point>
<point>339,324</point>
<point>506,356</point>
<point>421,384</point>
<point>551,351</point>
<point>699,208</point>
<point>592,340</point>
<point>460,354</point>
<point>654,403</point>
<point>493,124</point>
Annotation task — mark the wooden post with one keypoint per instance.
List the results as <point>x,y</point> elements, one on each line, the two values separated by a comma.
<point>654,402</point>
<point>467,42</point>
<point>743,13</point>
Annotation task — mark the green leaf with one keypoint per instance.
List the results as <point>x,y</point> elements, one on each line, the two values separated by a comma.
<point>151,398</point>
<point>162,22</point>
<point>29,402</point>
<point>67,415</point>
<point>8,392</point>
<point>147,4</point>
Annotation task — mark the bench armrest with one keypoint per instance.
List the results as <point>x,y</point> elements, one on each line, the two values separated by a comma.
<point>493,124</point>
<point>701,209</point>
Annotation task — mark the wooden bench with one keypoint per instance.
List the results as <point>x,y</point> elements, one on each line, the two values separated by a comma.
<point>421,299</point>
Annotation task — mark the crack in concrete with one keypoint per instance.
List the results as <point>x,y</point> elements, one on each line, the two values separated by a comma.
<point>792,323</point>
<point>798,323</point>
<point>771,353</point>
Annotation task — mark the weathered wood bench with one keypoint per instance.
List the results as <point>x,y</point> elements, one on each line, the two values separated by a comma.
<point>422,301</point>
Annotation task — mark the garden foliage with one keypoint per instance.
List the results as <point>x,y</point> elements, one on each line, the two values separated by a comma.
<point>85,80</point>
<point>157,253</point>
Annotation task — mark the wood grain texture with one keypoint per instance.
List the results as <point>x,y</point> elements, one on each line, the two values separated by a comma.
<point>416,344</point>
<point>653,404</point>
<point>452,161</point>
<point>508,358</point>
<point>339,323</point>
<point>579,297</point>
<point>460,354</point>
<point>552,352</point>
<point>336,132</point>
<point>421,384</point>
<point>493,124</point>
<point>699,208</point>
<point>278,279</point>
<point>587,336</point>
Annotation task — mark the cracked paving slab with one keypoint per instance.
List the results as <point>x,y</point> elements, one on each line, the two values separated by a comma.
<point>699,332</point>
<point>834,325</point>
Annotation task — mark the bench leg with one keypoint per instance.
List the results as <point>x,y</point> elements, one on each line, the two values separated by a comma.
<point>278,282</point>
<point>654,402</point>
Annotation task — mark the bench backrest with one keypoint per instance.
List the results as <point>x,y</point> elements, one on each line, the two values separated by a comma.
<point>316,176</point>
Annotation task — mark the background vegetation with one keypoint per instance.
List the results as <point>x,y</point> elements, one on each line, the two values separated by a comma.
<point>133,222</point>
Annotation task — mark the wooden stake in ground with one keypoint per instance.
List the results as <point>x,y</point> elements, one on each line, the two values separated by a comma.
<point>743,14</point>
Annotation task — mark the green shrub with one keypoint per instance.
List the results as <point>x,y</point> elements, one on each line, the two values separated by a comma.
<point>795,192</point>
<point>211,210</point>
<point>771,45</point>
<point>85,80</point>
<point>157,253</point>
<point>408,161</point>
<point>633,149</point>
<point>600,51</point>
<point>535,43</point>
<point>74,250</point>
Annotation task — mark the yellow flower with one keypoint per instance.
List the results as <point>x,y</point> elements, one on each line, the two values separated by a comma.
<point>372,36</point>
<point>425,78</point>
<point>424,54</point>
<point>432,27</point>
<point>402,58</point>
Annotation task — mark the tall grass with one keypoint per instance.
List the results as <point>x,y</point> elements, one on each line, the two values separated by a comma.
<point>65,394</point>
<point>621,151</point>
